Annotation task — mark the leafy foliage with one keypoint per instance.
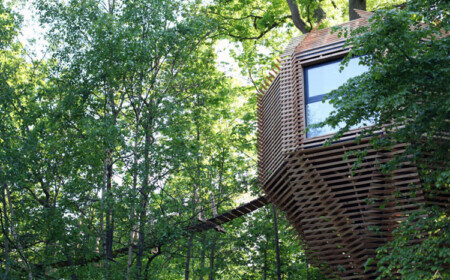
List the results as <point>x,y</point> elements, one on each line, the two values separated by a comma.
<point>405,94</point>
<point>260,30</point>
<point>125,133</point>
<point>418,260</point>
<point>112,145</point>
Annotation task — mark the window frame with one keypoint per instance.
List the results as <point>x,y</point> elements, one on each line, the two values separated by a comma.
<point>321,138</point>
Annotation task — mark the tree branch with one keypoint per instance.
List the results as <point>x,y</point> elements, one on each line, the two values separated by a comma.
<point>261,34</point>
<point>295,15</point>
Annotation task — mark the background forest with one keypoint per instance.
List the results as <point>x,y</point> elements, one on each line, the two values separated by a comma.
<point>127,126</point>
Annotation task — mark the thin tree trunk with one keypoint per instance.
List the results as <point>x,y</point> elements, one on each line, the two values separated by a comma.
<point>195,199</point>
<point>111,108</point>
<point>141,240</point>
<point>133,211</point>
<point>130,254</point>
<point>145,190</point>
<point>307,269</point>
<point>16,235</point>
<point>191,238</point>
<point>190,244</point>
<point>143,206</point>
<point>104,198</point>
<point>215,213</point>
<point>102,215</point>
<point>109,209</point>
<point>188,257</point>
<point>5,213</point>
<point>265,263</point>
<point>202,257</point>
<point>212,256</point>
<point>108,197</point>
<point>213,237</point>
<point>133,237</point>
<point>355,4</point>
<point>277,246</point>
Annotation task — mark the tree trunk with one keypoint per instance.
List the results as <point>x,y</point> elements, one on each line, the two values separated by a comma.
<point>134,230</point>
<point>106,212</point>
<point>102,214</point>
<point>188,257</point>
<point>144,199</point>
<point>141,240</point>
<point>295,15</point>
<point>202,257</point>
<point>16,235</point>
<point>109,208</point>
<point>277,246</point>
<point>265,262</point>
<point>6,233</point>
<point>307,269</point>
<point>145,189</point>
<point>355,4</point>
<point>212,256</point>
<point>195,198</point>
<point>213,237</point>
<point>191,238</point>
<point>130,254</point>
<point>214,209</point>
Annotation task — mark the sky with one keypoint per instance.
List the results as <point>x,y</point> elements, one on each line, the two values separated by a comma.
<point>32,34</point>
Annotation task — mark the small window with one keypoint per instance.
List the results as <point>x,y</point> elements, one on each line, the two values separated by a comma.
<point>321,79</point>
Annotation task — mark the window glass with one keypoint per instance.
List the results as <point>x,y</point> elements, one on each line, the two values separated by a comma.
<point>315,113</point>
<point>321,79</point>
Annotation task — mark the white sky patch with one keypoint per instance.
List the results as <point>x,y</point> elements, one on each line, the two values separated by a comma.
<point>226,63</point>
<point>31,34</point>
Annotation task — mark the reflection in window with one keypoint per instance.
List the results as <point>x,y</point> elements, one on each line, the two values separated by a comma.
<point>321,79</point>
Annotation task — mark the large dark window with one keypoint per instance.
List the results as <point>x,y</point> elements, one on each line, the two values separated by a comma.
<point>321,79</point>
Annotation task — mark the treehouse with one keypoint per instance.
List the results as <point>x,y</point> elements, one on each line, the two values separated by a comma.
<point>342,215</point>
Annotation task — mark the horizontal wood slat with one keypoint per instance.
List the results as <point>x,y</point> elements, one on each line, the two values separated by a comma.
<point>342,214</point>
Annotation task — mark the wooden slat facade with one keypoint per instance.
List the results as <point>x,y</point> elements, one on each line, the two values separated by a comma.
<point>343,215</point>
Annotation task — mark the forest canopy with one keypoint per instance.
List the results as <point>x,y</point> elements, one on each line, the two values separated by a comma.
<point>125,132</point>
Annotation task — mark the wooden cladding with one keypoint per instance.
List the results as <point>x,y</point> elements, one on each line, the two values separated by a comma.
<point>281,116</point>
<point>341,213</point>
